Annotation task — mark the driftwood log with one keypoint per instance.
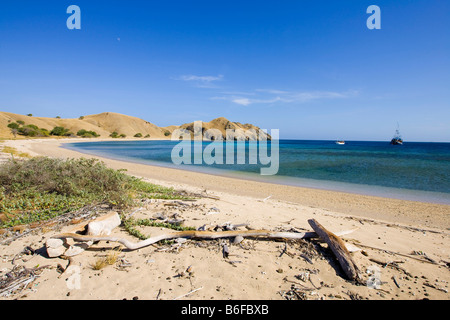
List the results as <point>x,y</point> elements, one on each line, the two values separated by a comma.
<point>339,249</point>
<point>192,234</point>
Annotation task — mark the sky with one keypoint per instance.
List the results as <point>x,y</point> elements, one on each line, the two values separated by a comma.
<point>312,69</point>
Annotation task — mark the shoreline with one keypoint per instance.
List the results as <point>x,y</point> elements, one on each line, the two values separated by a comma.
<point>387,234</point>
<point>432,197</point>
<point>427,214</point>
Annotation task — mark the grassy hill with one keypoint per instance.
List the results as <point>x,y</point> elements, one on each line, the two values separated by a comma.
<point>106,123</point>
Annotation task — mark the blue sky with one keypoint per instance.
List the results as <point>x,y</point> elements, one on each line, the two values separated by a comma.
<point>311,69</point>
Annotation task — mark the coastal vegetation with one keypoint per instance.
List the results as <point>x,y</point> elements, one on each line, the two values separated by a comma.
<point>42,188</point>
<point>115,134</point>
<point>131,224</point>
<point>87,134</point>
<point>30,130</point>
<point>60,132</point>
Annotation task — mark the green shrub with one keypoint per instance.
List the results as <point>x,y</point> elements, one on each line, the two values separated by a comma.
<point>21,122</point>
<point>167,133</point>
<point>60,131</point>
<point>29,130</point>
<point>138,135</point>
<point>122,135</point>
<point>32,126</point>
<point>114,135</point>
<point>42,188</point>
<point>87,134</point>
<point>13,125</point>
<point>44,132</point>
<point>147,136</point>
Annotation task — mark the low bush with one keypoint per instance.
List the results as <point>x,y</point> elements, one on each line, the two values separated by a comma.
<point>61,132</point>
<point>29,130</point>
<point>87,134</point>
<point>42,188</point>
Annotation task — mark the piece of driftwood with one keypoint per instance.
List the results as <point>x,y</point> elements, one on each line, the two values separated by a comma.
<point>184,295</point>
<point>192,234</point>
<point>400,254</point>
<point>337,246</point>
<point>187,234</point>
<point>18,279</point>
<point>391,264</point>
<point>205,195</point>
<point>395,281</point>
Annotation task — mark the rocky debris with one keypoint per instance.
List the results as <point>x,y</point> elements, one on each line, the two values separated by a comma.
<point>101,226</point>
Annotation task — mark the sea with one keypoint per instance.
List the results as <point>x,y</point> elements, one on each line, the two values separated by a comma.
<point>418,171</point>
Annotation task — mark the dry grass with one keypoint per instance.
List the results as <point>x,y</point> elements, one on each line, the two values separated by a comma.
<point>14,152</point>
<point>110,259</point>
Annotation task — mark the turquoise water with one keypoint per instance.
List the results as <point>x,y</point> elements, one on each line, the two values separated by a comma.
<point>413,171</point>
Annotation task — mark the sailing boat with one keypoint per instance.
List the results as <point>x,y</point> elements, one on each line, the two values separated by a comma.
<point>397,139</point>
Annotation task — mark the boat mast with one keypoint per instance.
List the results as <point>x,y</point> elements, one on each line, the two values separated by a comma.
<point>397,132</point>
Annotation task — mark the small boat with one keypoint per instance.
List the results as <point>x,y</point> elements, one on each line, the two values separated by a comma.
<point>340,142</point>
<point>397,139</point>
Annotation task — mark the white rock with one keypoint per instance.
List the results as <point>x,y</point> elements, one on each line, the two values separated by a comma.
<point>54,243</point>
<point>76,249</point>
<point>56,252</point>
<point>104,225</point>
<point>238,239</point>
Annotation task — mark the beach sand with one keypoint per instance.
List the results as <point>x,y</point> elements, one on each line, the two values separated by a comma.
<point>387,230</point>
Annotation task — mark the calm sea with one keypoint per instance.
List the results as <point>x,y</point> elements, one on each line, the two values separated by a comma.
<point>413,171</point>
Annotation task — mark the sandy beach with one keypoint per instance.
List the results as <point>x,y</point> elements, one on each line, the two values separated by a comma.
<point>406,242</point>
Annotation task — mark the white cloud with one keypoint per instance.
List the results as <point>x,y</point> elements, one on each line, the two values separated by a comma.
<point>287,96</point>
<point>314,95</point>
<point>273,91</point>
<point>200,78</point>
<point>242,101</point>
<point>239,93</point>
<point>201,81</point>
<point>247,101</point>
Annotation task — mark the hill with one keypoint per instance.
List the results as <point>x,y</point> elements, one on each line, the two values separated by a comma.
<point>106,123</point>
<point>241,131</point>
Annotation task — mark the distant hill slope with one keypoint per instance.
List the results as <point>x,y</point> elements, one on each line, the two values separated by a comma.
<point>241,131</point>
<point>104,124</point>
<point>108,122</point>
<point>123,124</point>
